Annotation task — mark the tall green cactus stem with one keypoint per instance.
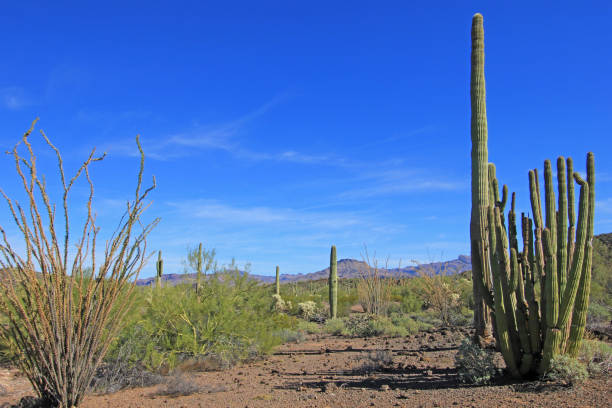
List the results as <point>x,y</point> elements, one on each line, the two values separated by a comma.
<point>582,298</point>
<point>562,218</point>
<point>333,284</point>
<point>480,184</point>
<point>277,280</point>
<point>199,269</point>
<point>160,269</point>
<point>571,211</point>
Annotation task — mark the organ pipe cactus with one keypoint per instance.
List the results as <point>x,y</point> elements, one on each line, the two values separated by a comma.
<point>480,185</point>
<point>160,269</point>
<point>531,325</point>
<point>532,329</point>
<point>333,284</point>
<point>277,281</point>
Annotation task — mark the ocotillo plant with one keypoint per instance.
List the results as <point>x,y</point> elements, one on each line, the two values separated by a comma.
<point>480,192</point>
<point>333,284</point>
<point>277,281</point>
<point>160,269</point>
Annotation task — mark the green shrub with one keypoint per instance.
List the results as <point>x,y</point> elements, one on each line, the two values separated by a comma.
<point>566,369</point>
<point>474,365</point>
<point>334,326</point>
<point>361,326</point>
<point>231,318</point>
<point>408,323</point>
<point>597,356</point>
<point>309,327</point>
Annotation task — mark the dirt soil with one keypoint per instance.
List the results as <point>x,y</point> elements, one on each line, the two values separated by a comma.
<point>327,371</point>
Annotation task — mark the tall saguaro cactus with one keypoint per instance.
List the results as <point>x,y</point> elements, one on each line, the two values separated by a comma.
<point>333,284</point>
<point>160,269</point>
<point>531,325</point>
<point>277,281</point>
<point>480,185</point>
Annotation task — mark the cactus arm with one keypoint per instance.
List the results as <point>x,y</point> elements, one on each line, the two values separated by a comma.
<point>501,319</point>
<point>569,294</point>
<point>504,199</point>
<point>571,211</point>
<point>512,231</point>
<point>582,297</point>
<point>551,213</point>
<point>553,336</point>
<point>528,265</point>
<point>507,286</point>
<point>562,268</point>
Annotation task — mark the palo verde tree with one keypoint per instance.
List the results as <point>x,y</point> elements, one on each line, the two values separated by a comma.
<point>62,301</point>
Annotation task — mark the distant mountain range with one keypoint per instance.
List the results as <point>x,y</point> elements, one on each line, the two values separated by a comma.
<point>347,269</point>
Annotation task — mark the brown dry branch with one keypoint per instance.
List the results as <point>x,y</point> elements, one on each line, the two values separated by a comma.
<point>63,311</point>
<point>438,293</point>
<point>373,290</point>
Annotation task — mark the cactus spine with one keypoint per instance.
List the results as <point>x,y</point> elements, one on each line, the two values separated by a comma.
<point>480,184</point>
<point>333,284</point>
<point>277,281</point>
<point>557,252</point>
<point>160,269</point>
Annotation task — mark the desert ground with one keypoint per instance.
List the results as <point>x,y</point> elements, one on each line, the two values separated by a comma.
<point>329,371</point>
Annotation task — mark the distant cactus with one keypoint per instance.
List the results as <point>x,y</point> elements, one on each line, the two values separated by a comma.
<point>531,326</point>
<point>333,284</point>
<point>160,269</point>
<point>199,269</point>
<point>277,281</point>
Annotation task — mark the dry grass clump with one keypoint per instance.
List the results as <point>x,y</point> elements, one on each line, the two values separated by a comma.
<point>63,305</point>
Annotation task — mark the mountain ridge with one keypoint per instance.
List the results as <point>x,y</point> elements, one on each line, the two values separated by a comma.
<point>347,269</point>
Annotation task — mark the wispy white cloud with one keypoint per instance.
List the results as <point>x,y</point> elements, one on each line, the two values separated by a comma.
<point>13,98</point>
<point>213,210</point>
<point>400,181</point>
<point>224,137</point>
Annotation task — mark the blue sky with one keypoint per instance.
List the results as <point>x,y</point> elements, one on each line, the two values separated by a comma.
<point>276,129</point>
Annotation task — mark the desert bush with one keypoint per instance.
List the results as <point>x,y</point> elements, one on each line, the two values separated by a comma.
<point>597,356</point>
<point>179,384</point>
<point>231,318</point>
<point>309,327</point>
<point>440,293</point>
<point>62,304</point>
<point>290,336</point>
<point>377,360</point>
<point>334,326</point>
<point>410,325</point>
<point>474,365</point>
<point>567,370</point>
